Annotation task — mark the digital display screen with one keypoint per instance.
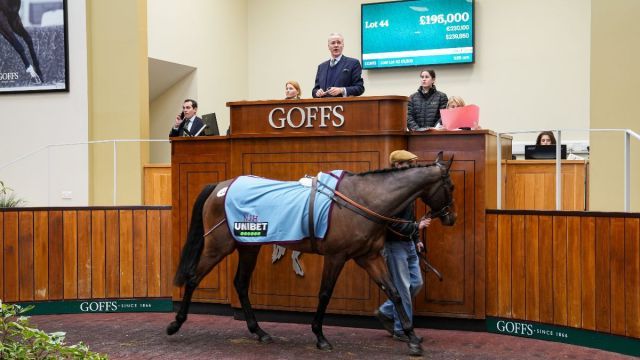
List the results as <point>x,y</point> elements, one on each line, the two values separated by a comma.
<point>417,32</point>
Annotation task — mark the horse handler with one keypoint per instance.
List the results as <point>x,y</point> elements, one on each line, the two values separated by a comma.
<point>402,241</point>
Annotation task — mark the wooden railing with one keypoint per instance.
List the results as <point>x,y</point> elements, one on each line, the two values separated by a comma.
<point>85,253</point>
<point>577,269</point>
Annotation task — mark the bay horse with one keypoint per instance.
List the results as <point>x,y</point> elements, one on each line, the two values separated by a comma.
<point>11,24</point>
<point>357,232</point>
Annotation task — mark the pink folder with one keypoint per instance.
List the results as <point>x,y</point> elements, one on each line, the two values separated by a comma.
<point>465,116</point>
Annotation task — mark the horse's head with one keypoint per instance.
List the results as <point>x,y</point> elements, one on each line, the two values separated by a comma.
<point>439,196</point>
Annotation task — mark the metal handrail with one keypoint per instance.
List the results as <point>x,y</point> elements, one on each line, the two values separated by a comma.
<point>627,162</point>
<point>115,155</point>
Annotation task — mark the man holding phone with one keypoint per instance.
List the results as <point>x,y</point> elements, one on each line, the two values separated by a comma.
<point>339,76</point>
<point>187,123</point>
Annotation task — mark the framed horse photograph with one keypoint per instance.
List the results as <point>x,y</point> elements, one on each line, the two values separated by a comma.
<point>33,46</point>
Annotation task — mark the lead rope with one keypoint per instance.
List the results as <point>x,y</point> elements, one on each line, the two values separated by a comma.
<point>369,211</point>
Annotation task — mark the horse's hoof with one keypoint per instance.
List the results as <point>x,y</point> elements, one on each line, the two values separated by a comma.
<point>324,346</point>
<point>415,349</point>
<point>173,328</point>
<point>265,339</point>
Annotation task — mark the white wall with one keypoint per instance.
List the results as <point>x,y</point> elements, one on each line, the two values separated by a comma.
<point>163,111</point>
<point>209,35</point>
<point>531,70</point>
<point>33,121</point>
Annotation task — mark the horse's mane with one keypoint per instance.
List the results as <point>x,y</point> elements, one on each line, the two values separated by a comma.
<point>389,170</point>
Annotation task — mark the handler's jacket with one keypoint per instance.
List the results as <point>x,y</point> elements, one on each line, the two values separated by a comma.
<point>409,230</point>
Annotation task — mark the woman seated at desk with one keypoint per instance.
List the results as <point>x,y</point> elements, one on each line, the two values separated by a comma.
<point>546,138</point>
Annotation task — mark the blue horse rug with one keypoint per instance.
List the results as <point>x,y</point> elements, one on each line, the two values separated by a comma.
<point>265,211</point>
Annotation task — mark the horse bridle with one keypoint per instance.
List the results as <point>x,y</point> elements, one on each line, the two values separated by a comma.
<point>445,210</point>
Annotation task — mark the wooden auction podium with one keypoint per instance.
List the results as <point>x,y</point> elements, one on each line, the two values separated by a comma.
<point>286,140</point>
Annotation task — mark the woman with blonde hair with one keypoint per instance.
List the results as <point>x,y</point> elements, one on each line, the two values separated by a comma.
<point>292,90</point>
<point>455,102</point>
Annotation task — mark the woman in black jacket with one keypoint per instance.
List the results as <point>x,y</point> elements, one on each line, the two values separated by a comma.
<point>425,104</point>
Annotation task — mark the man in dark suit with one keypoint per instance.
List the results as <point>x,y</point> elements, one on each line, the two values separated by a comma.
<point>187,123</point>
<point>339,76</point>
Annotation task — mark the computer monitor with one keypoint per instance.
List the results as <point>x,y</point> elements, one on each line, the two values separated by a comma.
<point>544,152</point>
<point>212,124</point>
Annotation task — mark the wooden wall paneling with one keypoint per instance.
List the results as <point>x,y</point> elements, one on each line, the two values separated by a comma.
<point>603,279</point>
<point>632,277</point>
<point>617,258</point>
<point>560,270</point>
<point>56,255</point>
<point>532,268</point>
<point>177,217</point>
<point>157,184</point>
<point>492,264</point>
<point>568,198</point>
<point>518,267</point>
<point>112,253</point>
<point>459,251</point>
<point>153,253</point>
<point>530,184</point>
<point>166,269</point>
<point>549,192</point>
<point>11,256</point>
<point>60,254</point>
<point>545,261</point>
<point>140,253</point>
<point>98,240</point>
<point>588,265</point>
<point>504,267</point>
<point>194,176</point>
<point>25,246</point>
<point>126,253</point>
<point>84,254</point>
<point>574,273</point>
<point>70,259</point>
<point>41,255</point>
<point>451,250</point>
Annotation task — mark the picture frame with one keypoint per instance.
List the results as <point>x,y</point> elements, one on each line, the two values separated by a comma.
<point>34,55</point>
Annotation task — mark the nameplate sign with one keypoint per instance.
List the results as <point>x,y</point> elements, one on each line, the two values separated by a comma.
<point>308,116</point>
<point>374,114</point>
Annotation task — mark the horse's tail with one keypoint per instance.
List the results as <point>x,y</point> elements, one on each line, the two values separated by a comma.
<point>195,240</point>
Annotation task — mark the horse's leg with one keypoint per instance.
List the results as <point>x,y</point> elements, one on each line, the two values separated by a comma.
<point>248,256</point>
<point>199,253</point>
<point>19,29</point>
<point>332,267</point>
<point>377,269</point>
<point>211,256</point>
<point>7,32</point>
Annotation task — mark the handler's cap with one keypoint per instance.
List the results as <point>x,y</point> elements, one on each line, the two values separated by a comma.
<point>400,156</point>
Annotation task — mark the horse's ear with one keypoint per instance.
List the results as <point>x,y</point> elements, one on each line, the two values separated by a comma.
<point>450,162</point>
<point>439,157</point>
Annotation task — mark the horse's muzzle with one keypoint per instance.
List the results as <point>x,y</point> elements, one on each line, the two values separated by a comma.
<point>449,219</point>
